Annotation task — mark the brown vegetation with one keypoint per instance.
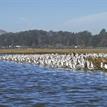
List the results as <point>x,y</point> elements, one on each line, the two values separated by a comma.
<point>47,51</point>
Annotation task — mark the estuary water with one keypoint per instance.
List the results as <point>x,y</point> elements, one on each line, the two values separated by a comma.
<point>27,85</point>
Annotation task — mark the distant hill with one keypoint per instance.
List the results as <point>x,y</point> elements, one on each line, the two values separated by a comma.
<point>2,31</point>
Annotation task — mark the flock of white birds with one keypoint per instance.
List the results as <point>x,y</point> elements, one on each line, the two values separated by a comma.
<point>70,61</point>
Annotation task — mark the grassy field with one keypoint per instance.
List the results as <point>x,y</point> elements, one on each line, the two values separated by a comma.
<point>49,51</point>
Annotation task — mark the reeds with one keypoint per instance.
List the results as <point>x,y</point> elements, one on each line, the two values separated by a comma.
<point>49,51</point>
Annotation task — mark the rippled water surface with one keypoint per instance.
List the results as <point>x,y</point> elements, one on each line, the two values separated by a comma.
<point>25,85</point>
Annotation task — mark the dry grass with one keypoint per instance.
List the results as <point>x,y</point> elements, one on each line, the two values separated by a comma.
<point>48,51</point>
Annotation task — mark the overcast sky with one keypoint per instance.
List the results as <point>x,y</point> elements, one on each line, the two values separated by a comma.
<point>66,15</point>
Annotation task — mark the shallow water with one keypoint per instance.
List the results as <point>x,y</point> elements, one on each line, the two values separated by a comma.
<point>26,85</point>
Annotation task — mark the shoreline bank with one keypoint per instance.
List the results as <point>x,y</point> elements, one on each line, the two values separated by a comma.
<point>50,51</point>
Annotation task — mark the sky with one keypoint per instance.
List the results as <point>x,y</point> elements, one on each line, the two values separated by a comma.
<point>56,15</point>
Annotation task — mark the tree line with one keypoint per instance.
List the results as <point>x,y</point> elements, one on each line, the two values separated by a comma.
<point>51,39</point>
